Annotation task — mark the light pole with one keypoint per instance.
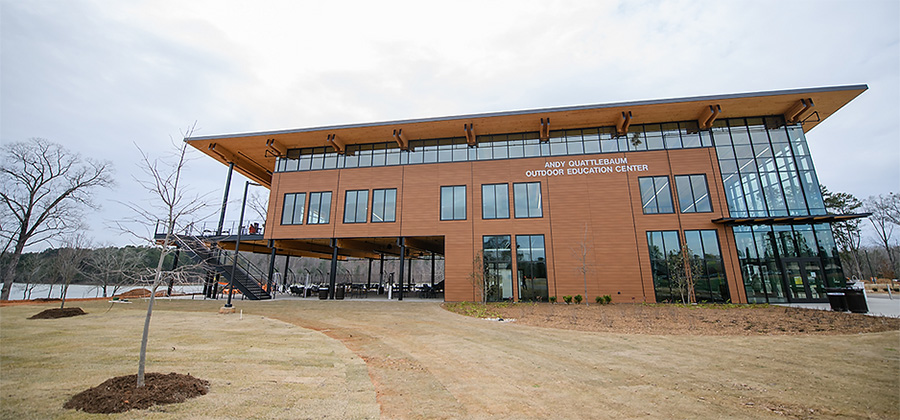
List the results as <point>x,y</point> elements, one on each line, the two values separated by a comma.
<point>237,243</point>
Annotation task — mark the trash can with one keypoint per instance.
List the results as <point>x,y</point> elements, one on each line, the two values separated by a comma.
<point>837,298</point>
<point>856,301</point>
<point>323,293</point>
<point>339,292</point>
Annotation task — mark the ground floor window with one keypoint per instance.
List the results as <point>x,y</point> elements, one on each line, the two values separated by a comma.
<point>531,261</point>
<point>665,250</point>
<point>497,260</point>
<point>787,263</point>
<point>710,285</point>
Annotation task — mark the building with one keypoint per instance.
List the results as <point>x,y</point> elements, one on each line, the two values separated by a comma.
<point>592,200</point>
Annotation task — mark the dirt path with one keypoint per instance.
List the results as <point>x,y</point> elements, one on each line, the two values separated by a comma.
<point>428,363</point>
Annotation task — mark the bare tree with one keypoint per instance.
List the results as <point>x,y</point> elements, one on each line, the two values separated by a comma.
<point>162,179</point>
<point>43,191</point>
<point>582,253</point>
<point>113,267</point>
<point>884,217</point>
<point>683,270</point>
<point>259,204</point>
<point>70,259</point>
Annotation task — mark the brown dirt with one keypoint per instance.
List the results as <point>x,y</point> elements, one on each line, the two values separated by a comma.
<point>139,293</point>
<point>723,320</point>
<point>54,313</point>
<point>120,394</point>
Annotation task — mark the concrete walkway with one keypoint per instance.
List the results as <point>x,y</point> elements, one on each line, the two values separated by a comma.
<point>879,305</point>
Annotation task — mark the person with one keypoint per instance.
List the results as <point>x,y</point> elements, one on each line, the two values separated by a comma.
<point>254,228</point>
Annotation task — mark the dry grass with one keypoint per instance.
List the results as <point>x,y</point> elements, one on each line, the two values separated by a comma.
<point>257,367</point>
<point>306,360</point>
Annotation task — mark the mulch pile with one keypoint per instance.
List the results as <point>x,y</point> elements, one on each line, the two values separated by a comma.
<point>54,313</point>
<point>121,394</point>
<point>667,319</point>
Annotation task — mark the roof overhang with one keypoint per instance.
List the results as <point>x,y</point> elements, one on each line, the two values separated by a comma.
<point>254,154</point>
<point>788,220</point>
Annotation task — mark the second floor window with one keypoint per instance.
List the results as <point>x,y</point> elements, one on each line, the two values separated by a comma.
<point>495,201</point>
<point>319,208</point>
<point>384,205</point>
<point>355,206</point>
<point>292,213</point>
<point>656,195</point>
<point>693,193</point>
<point>453,203</point>
<point>528,199</point>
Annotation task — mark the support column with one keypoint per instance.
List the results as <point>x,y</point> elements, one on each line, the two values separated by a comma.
<point>432,271</point>
<point>402,256</point>
<point>284,274</point>
<point>174,266</point>
<point>225,200</point>
<point>381,270</point>
<point>269,282</point>
<point>333,275</point>
<point>369,280</point>
<point>409,274</point>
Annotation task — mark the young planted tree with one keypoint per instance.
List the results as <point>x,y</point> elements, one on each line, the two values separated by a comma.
<point>170,205</point>
<point>683,270</point>
<point>582,253</point>
<point>44,189</point>
<point>477,277</point>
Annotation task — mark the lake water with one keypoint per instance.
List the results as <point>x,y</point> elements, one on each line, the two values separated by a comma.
<point>78,291</point>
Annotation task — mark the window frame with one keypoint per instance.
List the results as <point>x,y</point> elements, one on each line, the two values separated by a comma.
<point>384,206</point>
<point>527,201</point>
<point>356,209</point>
<point>694,201</point>
<point>495,200</point>
<point>452,207</point>
<point>656,193</point>
<point>319,213</point>
<point>293,208</point>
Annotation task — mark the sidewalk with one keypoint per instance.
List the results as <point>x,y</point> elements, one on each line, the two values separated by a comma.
<point>879,305</point>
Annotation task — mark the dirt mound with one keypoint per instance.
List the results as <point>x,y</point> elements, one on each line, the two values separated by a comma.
<point>121,394</point>
<point>138,293</point>
<point>54,313</point>
<point>671,319</point>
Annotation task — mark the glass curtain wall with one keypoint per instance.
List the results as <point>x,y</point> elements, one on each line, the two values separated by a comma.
<point>531,261</point>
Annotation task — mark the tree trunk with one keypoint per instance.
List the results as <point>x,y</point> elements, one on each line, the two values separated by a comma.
<point>10,273</point>
<point>146,335</point>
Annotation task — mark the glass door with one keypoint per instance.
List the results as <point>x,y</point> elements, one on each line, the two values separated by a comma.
<point>805,279</point>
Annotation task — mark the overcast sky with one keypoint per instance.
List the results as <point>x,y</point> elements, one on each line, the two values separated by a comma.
<point>102,76</point>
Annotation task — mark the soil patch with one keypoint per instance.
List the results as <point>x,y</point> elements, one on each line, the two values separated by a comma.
<point>54,313</point>
<point>139,293</point>
<point>670,319</point>
<point>121,394</point>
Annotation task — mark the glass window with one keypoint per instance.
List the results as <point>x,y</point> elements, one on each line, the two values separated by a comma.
<point>591,140</point>
<point>528,199</point>
<point>690,134</point>
<point>654,136</point>
<point>497,263</point>
<point>708,269</point>
<point>557,143</point>
<point>574,143</point>
<point>416,152</point>
<point>495,201</point>
<point>292,212</point>
<point>656,196</point>
<point>516,145</point>
<point>319,208</point>
<point>532,146</point>
<point>672,135</point>
<point>384,205</point>
<point>453,203</point>
<point>355,203</point>
<point>431,151</point>
<point>693,193</point>
<point>665,250</point>
<point>532,265</point>
<point>635,138</point>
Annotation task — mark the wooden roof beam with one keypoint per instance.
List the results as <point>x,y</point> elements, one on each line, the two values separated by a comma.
<point>335,142</point>
<point>400,138</point>
<point>424,245</point>
<point>470,134</point>
<point>276,148</point>
<point>246,166</point>
<point>623,123</point>
<point>545,129</point>
<point>799,111</point>
<point>709,116</point>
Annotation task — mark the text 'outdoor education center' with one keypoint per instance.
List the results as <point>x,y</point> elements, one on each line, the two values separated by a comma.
<point>613,199</point>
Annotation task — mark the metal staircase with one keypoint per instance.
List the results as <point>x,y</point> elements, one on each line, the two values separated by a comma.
<point>248,278</point>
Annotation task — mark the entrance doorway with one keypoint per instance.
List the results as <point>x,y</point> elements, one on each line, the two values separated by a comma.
<point>805,279</point>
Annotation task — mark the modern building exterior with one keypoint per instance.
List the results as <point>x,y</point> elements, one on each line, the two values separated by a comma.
<point>623,199</point>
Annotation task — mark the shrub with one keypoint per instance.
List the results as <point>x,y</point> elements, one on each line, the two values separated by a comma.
<point>607,298</point>
<point>578,299</point>
<point>598,299</point>
<point>567,299</point>
<point>552,299</point>
<point>896,289</point>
